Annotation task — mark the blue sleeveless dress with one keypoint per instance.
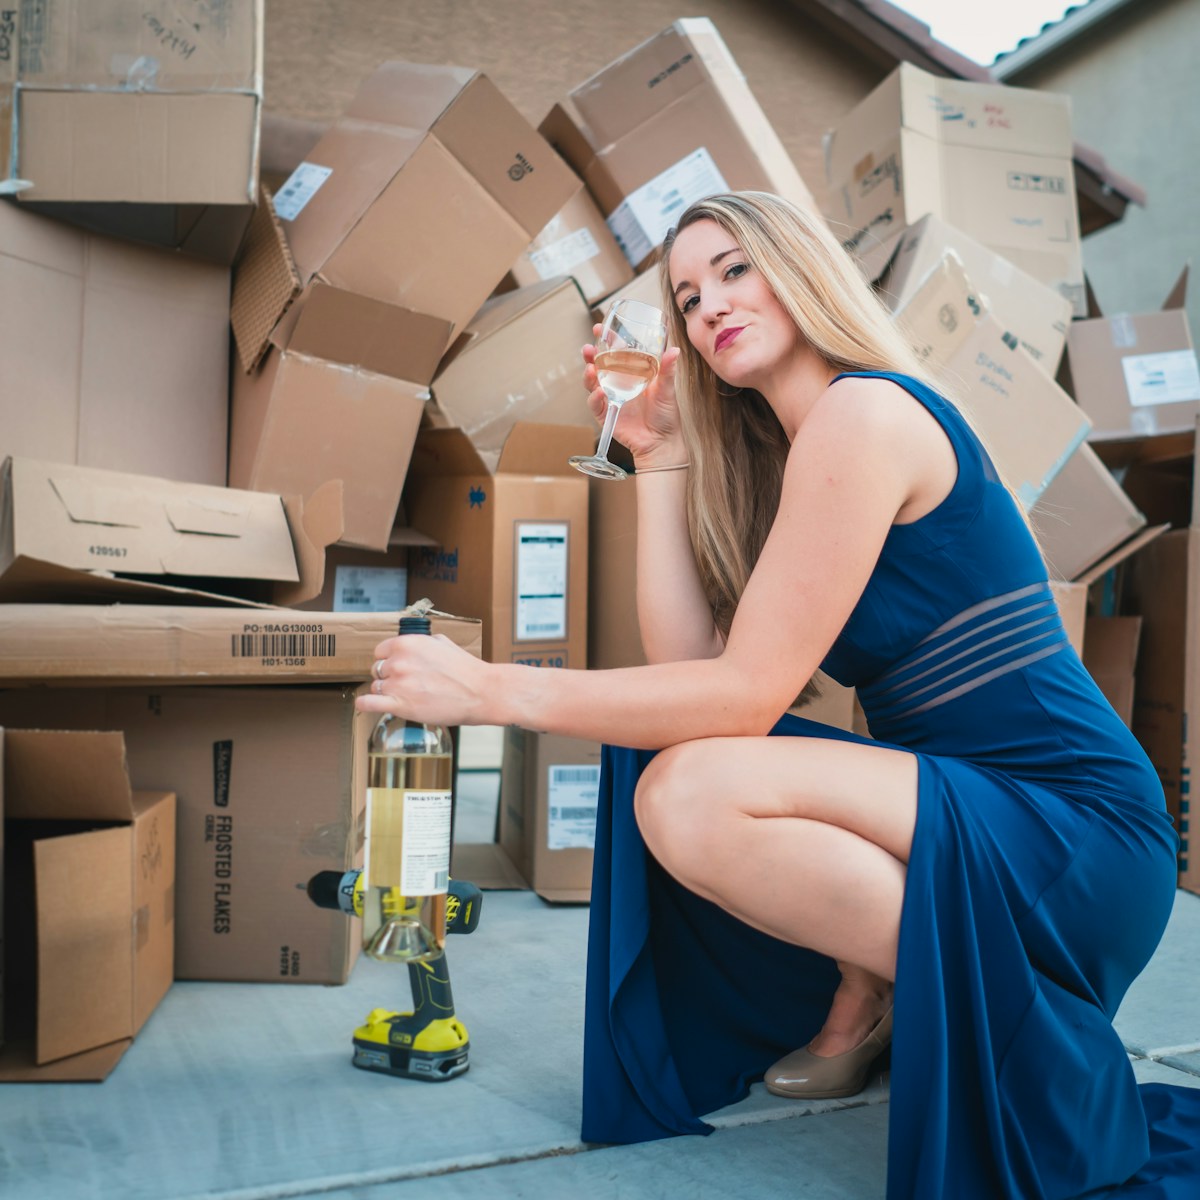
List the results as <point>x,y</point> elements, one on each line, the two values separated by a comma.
<point>1041,878</point>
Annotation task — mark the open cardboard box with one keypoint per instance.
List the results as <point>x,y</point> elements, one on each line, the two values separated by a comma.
<point>518,360</point>
<point>1135,375</point>
<point>1030,426</point>
<point>331,392</point>
<point>89,900</point>
<point>88,520</point>
<point>138,120</point>
<point>270,784</point>
<point>1036,314</point>
<point>512,539</point>
<point>115,355</point>
<point>665,124</point>
<point>422,194</point>
<point>991,160</point>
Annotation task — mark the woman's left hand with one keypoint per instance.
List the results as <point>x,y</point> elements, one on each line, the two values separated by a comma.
<point>427,679</point>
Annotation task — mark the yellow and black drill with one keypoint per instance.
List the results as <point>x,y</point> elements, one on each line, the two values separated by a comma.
<point>430,1042</point>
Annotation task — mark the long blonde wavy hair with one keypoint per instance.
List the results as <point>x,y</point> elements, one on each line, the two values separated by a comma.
<point>735,443</point>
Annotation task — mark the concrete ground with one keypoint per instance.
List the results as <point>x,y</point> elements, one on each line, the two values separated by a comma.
<point>246,1092</point>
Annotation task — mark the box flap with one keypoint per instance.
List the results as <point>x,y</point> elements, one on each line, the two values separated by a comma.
<point>1122,552</point>
<point>1111,645</point>
<point>266,281</point>
<point>565,130</point>
<point>316,523</point>
<point>533,449</point>
<point>509,159</point>
<point>84,950</point>
<point>141,525</point>
<point>343,327</point>
<point>413,95</point>
<point>64,776</point>
<point>34,581</point>
<point>1178,295</point>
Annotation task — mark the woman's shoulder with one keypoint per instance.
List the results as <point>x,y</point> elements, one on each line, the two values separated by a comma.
<point>876,406</point>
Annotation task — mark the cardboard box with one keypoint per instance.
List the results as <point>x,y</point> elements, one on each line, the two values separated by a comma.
<point>549,794</point>
<point>115,355</point>
<point>90,520</point>
<point>141,120</point>
<point>576,242</point>
<point>89,901</point>
<point>1029,424</point>
<point>1083,515</point>
<point>65,644</point>
<point>365,580</point>
<point>1111,658</point>
<point>333,391</point>
<point>670,122</point>
<point>424,193</point>
<point>991,160</point>
<point>1072,601</point>
<point>1159,588</point>
<point>1026,307</point>
<point>1135,376</point>
<point>518,360</point>
<point>270,785</point>
<point>512,541</point>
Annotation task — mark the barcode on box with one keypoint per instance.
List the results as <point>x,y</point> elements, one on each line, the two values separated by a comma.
<point>284,645</point>
<point>575,775</point>
<point>581,813</point>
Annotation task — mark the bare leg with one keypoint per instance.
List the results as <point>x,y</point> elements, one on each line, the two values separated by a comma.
<point>802,838</point>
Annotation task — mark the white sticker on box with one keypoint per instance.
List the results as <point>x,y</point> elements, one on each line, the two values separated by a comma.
<point>1167,378</point>
<point>302,185</point>
<point>541,578</point>
<point>644,217</point>
<point>563,256</point>
<point>572,798</point>
<point>369,589</point>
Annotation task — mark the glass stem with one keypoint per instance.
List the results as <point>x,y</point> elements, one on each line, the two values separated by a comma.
<point>610,421</point>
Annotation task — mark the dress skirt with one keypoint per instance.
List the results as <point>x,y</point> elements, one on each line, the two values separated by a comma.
<point>1028,911</point>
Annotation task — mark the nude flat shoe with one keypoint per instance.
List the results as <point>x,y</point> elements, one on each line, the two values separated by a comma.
<point>803,1075</point>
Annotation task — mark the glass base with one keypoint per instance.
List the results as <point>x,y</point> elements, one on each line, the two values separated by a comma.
<point>597,467</point>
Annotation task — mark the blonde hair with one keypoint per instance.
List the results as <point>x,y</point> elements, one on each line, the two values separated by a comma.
<point>738,451</point>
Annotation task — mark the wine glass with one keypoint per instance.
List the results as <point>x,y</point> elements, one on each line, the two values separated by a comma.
<point>627,354</point>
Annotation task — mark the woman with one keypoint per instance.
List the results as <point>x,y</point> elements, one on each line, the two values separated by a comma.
<point>999,852</point>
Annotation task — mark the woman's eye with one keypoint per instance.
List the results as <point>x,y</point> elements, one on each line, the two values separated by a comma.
<point>735,269</point>
<point>689,304</point>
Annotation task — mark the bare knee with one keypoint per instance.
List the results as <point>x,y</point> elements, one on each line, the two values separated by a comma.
<point>674,809</point>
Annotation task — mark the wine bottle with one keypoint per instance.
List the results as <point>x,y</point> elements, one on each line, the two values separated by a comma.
<point>407,854</point>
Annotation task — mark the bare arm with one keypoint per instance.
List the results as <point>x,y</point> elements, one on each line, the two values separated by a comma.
<point>855,463</point>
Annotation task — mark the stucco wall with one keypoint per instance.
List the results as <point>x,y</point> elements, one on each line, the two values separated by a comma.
<point>317,52</point>
<point>1134,84</point>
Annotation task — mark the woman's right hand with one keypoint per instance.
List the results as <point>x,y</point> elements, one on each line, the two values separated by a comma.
<point>649,423</point>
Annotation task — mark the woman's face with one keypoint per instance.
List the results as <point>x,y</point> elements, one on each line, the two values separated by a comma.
<point>732,317</point>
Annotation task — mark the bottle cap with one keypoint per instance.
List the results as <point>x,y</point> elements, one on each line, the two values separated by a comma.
<point>415,625</point>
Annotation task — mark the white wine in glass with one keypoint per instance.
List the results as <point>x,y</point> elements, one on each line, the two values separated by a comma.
<point>627,356</point>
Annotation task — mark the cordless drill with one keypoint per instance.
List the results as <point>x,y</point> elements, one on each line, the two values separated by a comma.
<point>430,1042</point>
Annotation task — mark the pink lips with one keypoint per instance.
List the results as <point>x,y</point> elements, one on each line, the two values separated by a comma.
<point>725,337</point>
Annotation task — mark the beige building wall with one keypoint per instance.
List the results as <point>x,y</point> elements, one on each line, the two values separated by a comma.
<point>1135,93</point>
<point>318,52</point>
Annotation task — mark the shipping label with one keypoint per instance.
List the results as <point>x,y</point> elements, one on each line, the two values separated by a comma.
<point>541,581</point>
<point>572,799</point>
<point>302,185</point>
<point>561,257</point>
<point>369,589</point>
<point>642,220</point>
<point>1167,378</point>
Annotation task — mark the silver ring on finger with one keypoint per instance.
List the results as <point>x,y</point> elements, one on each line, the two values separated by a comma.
<point>377,669</point>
